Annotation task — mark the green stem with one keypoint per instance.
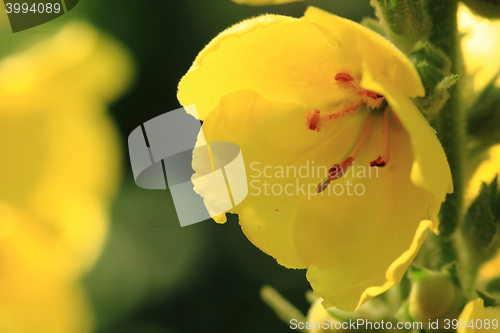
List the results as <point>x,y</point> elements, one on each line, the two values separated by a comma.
<point>451,128</point>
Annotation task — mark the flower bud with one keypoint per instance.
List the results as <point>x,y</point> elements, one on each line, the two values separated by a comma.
<point>406,21</point>
<point>433,66</point>
<point>432,295</point>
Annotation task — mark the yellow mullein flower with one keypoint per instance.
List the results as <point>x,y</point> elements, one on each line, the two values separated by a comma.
<point>59,171</point>
<point>263,2</point>
<point>475,318</point>
<point>295,93</point>
<point>480,45</point>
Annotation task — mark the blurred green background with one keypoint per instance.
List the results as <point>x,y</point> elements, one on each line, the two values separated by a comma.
<point>154,276</point>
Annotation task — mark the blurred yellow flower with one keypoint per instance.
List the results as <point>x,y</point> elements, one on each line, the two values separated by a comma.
<point>256,83</point>
<point>263,2</point>
<point>318,316</point>
<point>486,172</point>
<point>475,318</point>
<point>491,269</point>
<point>480,45</point>
<point>60,168</point>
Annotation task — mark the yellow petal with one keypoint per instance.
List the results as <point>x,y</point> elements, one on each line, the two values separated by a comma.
<point>430,168</point>
<point>486,171</point>
<point>261,116</point>
<point>59,171</point>
<point>355,254</point>
<point>475,314</point>
<point>37,287</point>
<point>263,2</point>
<point>44,308</point>
<point>78,61</point>
<point>491,269</point>
<point>387,59</point>
<point>473,310</point>
<point>297,65</point>
<point>60,150</point>
<point>318,314</point>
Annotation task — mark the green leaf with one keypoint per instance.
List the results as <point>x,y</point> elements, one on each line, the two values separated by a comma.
<point>433,66</point>
<point>417,273</point>
<point>405,21</point>
<point>495,198</point>
<point>452,271</point>
<point>489,300</point>
<point>404,313</point>
<point>493,285</point>
<point>483,116</point>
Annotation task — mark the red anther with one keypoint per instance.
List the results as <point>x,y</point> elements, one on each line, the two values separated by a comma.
<point>338,170</point>
<point>334,171</point>
<point>373,95</point>
<point>312,120</point>
<point>343,77</point>
<point>378,162</point>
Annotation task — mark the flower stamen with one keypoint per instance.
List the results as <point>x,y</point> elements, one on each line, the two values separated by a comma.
<point>382,161</point>
<point>312,120</point>
<point>315,121</point>
<point>372,94</point>
<point>337,171</point>
<point>350,85</point>
<point>343,77</point>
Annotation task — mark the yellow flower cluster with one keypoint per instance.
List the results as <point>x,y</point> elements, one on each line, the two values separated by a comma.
<point>481,46</point>
<point>58,172</point>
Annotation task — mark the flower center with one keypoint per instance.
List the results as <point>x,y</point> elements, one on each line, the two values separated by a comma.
<point>356,97</point>
<point>370,98</point>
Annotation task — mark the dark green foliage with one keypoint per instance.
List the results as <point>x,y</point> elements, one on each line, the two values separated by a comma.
<point>486,8</point>
<point>480,230</point>
<point>433,66</point>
